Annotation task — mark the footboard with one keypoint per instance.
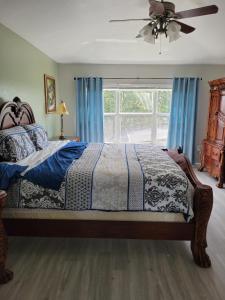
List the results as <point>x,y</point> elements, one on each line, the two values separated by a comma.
<point>202,206</point>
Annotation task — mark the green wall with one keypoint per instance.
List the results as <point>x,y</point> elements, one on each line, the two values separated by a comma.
<point>22,69</point>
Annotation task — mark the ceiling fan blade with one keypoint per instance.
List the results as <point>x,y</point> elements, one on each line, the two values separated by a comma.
<point>185,28</point>
<point>127,20</point>
<point>196,12</point>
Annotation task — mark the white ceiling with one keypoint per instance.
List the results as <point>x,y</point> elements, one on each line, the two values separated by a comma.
<point>78,31</point>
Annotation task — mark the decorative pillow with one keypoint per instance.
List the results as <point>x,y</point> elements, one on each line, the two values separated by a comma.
<point>38,135</point>
<point>15,144</point>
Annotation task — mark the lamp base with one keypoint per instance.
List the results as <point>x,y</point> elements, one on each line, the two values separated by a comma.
<point>62,137</point>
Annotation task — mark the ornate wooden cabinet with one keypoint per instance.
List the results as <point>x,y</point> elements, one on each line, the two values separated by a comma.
<point>213,147</point>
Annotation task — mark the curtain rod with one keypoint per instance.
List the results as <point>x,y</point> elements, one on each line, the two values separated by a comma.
<point>137,78</point>
<point>133,78</point>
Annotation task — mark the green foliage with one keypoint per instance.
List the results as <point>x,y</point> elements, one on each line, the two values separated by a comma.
<point>109,101</point>
<point>164,99</point>
<point>136,101</point>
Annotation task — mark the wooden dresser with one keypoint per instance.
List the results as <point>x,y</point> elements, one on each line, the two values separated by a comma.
<point>213,147</point>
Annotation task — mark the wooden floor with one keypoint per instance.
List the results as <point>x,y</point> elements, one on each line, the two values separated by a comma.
<point>82,269</point>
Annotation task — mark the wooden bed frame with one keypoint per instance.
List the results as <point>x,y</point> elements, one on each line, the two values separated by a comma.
<point>14,113</point>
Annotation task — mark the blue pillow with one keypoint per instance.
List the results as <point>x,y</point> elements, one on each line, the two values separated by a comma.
<point>9,173</point>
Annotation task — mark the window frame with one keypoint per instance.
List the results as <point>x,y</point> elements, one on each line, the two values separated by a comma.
<point>154,113</point>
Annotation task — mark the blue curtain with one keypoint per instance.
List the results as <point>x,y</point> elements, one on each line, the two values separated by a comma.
<point>183,115</point>
<point>89,109</point>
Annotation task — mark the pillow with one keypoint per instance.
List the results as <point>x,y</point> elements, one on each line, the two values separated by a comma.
<point>38,135</point>
<point>15,144</point>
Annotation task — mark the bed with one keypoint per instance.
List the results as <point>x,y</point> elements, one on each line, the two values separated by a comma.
<point>137,214</point>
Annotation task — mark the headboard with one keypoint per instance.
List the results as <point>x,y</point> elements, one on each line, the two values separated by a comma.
<point>15,113</point>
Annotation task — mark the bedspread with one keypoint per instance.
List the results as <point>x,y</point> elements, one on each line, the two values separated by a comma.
<point>114,177</point>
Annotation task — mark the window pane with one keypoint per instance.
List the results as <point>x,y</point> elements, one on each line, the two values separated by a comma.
<point>136,101</point>
<point>109,129</point>
<point>164,100</point>
<point>109,101</point>
<point>135,129</point>
<point>162,130</point>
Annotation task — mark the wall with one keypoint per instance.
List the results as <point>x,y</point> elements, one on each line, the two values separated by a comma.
<point>22,68</point>
<point>67,72</point>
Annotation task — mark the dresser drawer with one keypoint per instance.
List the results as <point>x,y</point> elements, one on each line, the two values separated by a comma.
<point>215,153</point>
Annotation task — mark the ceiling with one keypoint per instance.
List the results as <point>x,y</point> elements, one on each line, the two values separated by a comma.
<point>78,31</point>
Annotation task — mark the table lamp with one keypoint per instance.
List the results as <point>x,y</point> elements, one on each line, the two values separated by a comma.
<point>62,110</point>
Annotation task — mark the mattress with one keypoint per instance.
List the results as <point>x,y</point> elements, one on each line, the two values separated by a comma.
<point>27,213</point>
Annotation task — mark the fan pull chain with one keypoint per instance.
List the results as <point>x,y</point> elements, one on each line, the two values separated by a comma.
<point>160,44</point>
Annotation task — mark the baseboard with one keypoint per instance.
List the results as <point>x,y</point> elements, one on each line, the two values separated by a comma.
<point>196,165</point>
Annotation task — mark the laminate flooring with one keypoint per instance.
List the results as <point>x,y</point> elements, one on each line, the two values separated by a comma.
<point>97,269</point>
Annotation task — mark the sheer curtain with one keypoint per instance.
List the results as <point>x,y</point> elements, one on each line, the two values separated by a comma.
<point>89,109</point>
<point>183,115</point>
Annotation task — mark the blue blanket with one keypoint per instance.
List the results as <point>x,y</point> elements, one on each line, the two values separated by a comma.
<point>50,173</point>
<point>9,173</point>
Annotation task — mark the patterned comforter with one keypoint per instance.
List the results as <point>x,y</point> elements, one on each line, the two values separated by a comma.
<point>114,177</point>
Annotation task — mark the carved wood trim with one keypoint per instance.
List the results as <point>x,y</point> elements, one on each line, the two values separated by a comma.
<point>217,84</point>
<point>203,203</point>
<point>221,118</point>
<point>15,113</point>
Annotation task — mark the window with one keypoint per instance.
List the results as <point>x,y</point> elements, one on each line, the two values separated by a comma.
<point>136,115</point>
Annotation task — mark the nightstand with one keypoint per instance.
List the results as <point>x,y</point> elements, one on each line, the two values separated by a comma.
<point>5,275</point>
<point>73,138</point>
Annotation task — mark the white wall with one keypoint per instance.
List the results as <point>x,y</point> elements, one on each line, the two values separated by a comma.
<point>67,72</point>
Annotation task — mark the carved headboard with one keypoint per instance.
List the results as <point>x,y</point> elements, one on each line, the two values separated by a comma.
<point>15,113</point>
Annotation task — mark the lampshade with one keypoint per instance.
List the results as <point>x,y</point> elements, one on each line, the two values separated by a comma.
<point>146,33</point>
<point>62,109</point>
<point>173,31</point>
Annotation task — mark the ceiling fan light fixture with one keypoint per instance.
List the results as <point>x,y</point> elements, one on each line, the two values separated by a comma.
<point>164,21</point>
<point>146,30</point>
<point>173,31</point>
<point>147,33</point>
<point>149,39</point>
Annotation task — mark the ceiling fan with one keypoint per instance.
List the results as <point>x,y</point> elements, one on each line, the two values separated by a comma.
<point>164,20</point>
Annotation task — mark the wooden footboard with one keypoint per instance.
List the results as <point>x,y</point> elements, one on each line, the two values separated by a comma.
<point>202,206</point>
